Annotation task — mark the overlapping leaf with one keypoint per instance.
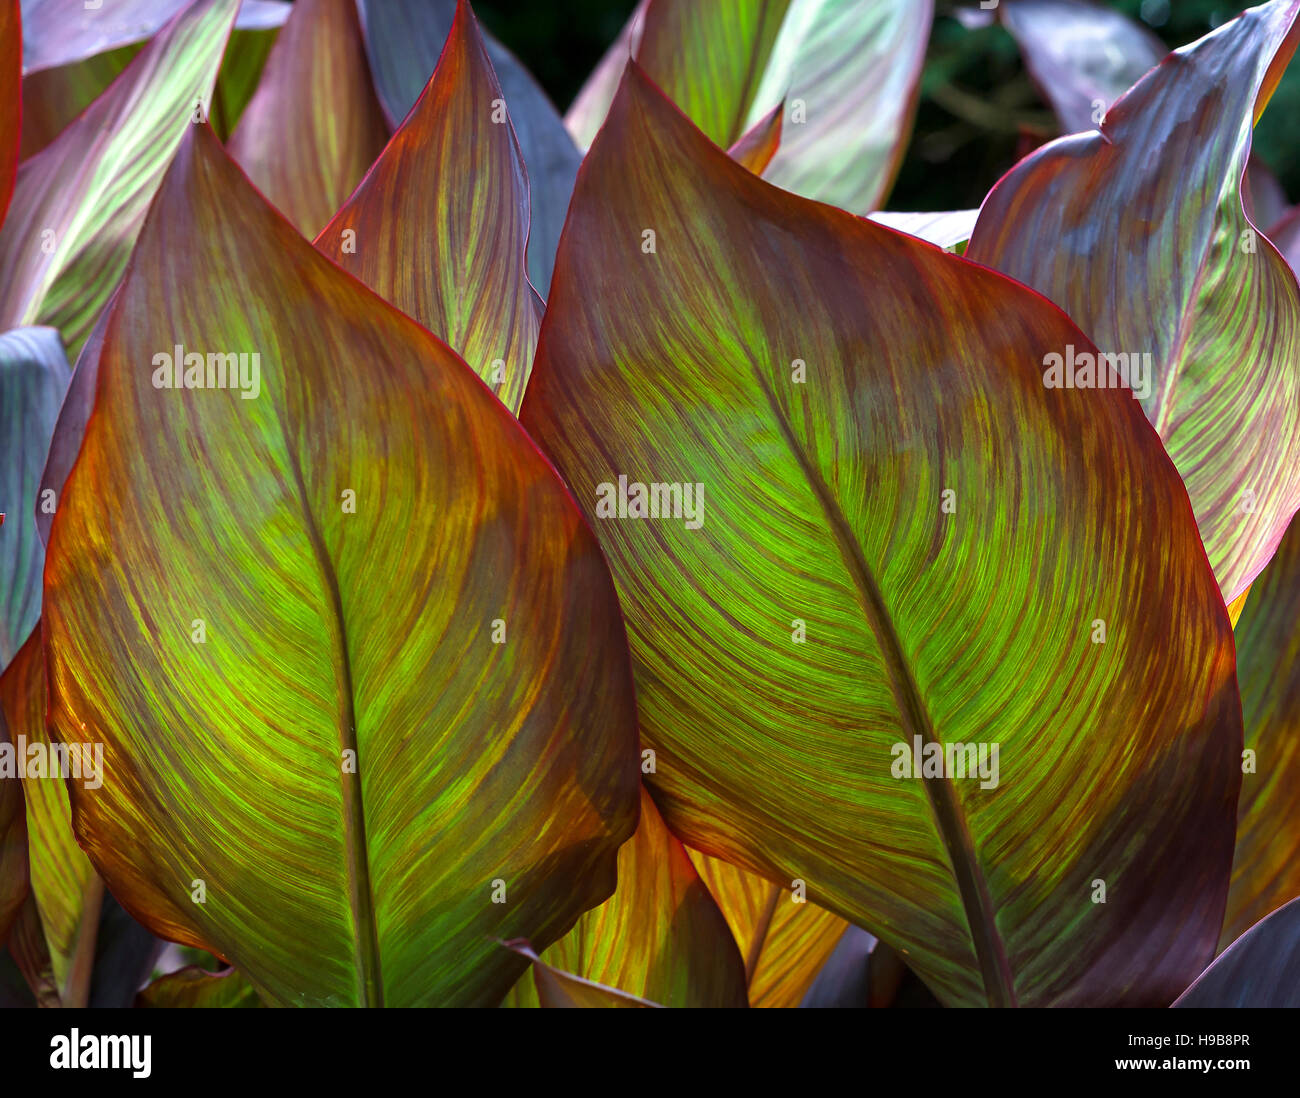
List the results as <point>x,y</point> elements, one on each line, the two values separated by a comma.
<point>66,890</point>
<point>404,39</point>
<point>857,469</point>
<point>354,656</point>
<point>949,230</point>
<point>848,71</point>
<point>440,225</point>
<point>660,936</point>
<point>196,987</point>
<point>1259,969</point>
<point>314,126</point>
<point>785,940</point>
<point>62,32</point>
<point>78,204</point>
<point>1138,231</point>
<point>556,988</point>
<point>33,379</point>
<point>11,55</point>
<point>1266,868</point>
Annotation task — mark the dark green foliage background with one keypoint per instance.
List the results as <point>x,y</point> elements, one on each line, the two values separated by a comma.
<point>978,110</point>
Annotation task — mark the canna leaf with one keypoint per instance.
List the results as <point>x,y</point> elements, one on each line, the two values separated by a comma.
<point>586,114</point>
<point>759,144</point>
<point>79,203</point>
<point>324,743</point>
<point>1140,234</point>
<point>66,889</point>
<point>313,126</point>
<point>404,39</point>
<point>949,231</point>
<point>1259,969</point>
<point>11,56</point>
<point>785,941</point>
<point>556,988</point>
<point>193,986</point>
<point>660,936</point>
<point>28,950</point>
<point>52,98</point>
<point>1266,868</point>
<point>848,70</point>
<point>440,225</point>
<point>62,32</point>
<point>855,468</point>
<point>34,376</point>
<point>14,873</point>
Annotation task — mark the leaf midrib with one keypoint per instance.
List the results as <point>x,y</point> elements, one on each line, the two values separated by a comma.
<point>990,951</point>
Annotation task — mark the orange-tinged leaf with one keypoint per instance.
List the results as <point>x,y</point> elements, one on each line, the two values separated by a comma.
<point>314,125</point>
<point>759,144</point>
<point>557,988</point>
<point>440,225</point>
<point>274,598</point>
<point>785,941</point>
<point>660,936</point>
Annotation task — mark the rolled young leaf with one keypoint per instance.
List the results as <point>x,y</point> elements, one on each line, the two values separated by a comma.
<point>659,937</point>
<point>1259,969</point>
<point>784,939</point>
<point>34,376</point>
<point>314,125</point>
<point>354,655</point>
<point>79,203</point>
<point>1266,867</point>
<point>404,39</point>
<point>798,434</point>
<point>1139,232</point>
<point>440,225</point>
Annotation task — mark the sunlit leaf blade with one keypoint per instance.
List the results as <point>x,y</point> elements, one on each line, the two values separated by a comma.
<point>1083,55</point>
<point>848,71</point>
<point>79,203</point>
<point>1260,969</point>
<point>11,52</point>
<point>52,98</point>
<point>314,126</point>
<point>61,32</point>
<point>1266,869</point>
<point>440,225</point>
<point>949,230</point>
<point>196,987</point>
<point>558,989</point>
<point>758,145</point>
<point>65,887</point>
<point>587,112</point>
<point>33,378</point>
<point>823,518</point>
<point>1139,233</point>
<point>784,939</point>
<point>660,936</point>
<point>404,39</point>
<point>327,736</point>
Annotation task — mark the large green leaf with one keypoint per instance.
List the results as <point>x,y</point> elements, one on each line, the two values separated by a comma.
<point>1259,969</point>
<point>1139,232</point>
<point>660,936</point>
<point>440,225</point>
<point>62,32</point>
<point>314,126</point>
<point>965,555</point>
<point>848,71</point>
<point>401,727</point>
<point>404,39</point>
<point>79,203</point>
<point>1266,869</point>
<point>33,379</point>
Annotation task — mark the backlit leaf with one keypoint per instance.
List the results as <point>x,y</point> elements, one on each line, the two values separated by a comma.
<point>11,53</point>
<point>559,989</point>
<point>354,655</point>
<point>196,987</point>
<point>856,467</point>
<point>1139,233</point>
